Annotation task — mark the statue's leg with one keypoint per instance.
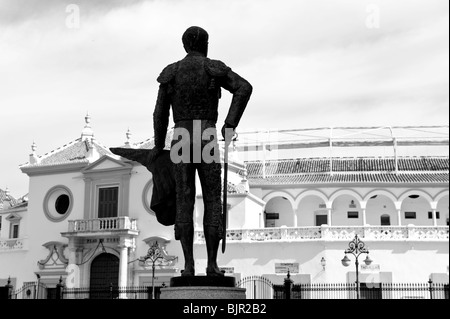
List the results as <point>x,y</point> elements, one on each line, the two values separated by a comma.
<point>210,178</point>
<point>184,224</point>
<point>186,233</point>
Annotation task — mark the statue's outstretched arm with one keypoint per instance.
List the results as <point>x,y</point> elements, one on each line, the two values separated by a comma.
<point>161,116</point>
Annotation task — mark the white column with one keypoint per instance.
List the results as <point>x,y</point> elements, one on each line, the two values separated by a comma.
<point>295,218</point>
<point>399,217</point>
<point>434,217</point>
<point>398,207</point>
<point>72,255</point>
<point>364,222</point>
<point>73,271</point>
<point>434,209</point>
<point>329,210</point>
<point>363,211</point>
<point>125,243</point>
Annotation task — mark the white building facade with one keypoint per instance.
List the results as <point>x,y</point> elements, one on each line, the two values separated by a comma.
<point>88,219</point>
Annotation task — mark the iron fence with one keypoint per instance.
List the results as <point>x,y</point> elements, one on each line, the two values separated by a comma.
<point>29,290</point>
<point>261,288</point>
<point>371,291</point>
<point>257,287</point>
<point>111,292</point>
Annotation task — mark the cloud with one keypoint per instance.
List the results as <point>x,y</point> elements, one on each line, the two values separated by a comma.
<point>13,12</point>
<point>312,63</point>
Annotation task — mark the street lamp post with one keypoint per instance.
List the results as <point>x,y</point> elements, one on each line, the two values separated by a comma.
<point>155,254</point>
<point>356,247</point>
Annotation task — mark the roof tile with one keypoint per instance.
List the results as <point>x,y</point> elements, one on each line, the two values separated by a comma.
<point>73,152</point>
<point>350,170</point>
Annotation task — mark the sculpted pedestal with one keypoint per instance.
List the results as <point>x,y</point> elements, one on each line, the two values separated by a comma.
<point>203,287</point>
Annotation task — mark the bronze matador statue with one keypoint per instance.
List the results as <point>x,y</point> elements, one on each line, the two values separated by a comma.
<point>192,88</point>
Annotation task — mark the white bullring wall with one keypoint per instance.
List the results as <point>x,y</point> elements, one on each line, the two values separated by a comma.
<point>407,261</point>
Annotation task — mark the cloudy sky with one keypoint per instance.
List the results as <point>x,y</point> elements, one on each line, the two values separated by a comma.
<point>312,64</point>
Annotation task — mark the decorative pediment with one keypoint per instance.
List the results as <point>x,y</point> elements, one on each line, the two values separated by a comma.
<point>55,258</point>
<point>13,217</point>
<point>106,163</point>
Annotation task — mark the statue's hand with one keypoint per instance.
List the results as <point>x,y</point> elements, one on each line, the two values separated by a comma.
<point>228,133</point>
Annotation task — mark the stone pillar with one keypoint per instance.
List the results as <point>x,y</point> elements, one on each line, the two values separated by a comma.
<point>398,207</point>
<point>434,209</point>
<point>329,211</point>
<point>73,249</point>
<point>364,221</point>
<point>123,266</point>
<point>73,270</point>
<point>434,217</point>
<point>363,211</point>
<point>125,243</point>
<point>329,216</point>
<point>295,218</point>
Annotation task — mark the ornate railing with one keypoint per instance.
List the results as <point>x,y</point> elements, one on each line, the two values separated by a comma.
<point>102,224</point>
<point>13,244</point>
<point>332,233</point>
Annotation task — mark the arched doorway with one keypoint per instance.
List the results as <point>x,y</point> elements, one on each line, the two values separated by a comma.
<point>346,211</point>
<point>416,210</point>
<point>279,212</point>
<point>104,274</point>
<point>312,211</point>
<point>380,210</point>
<point>442,211</point>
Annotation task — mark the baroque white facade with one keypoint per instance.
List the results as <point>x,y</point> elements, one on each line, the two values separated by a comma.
<point>87,209</point>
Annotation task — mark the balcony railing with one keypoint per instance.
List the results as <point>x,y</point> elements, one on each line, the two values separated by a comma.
<point>13,244</point>
<point>103,224</point>
<point>332,233</point>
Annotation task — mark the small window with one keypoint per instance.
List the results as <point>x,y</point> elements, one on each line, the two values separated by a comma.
<point>108,199</point>
<point>352,214</point>
<point>14,231</point>
<point>58,203</point>
<point>430,215</point>
<point>62,204</point>
<point>385,220</point>
<point>321,220</point>
<point>410,215</point>
<point>272,216</point>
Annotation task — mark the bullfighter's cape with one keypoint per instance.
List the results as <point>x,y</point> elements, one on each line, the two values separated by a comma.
<point>163,201</point>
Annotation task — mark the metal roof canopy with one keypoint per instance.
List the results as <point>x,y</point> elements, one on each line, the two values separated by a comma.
<point>330,137</point>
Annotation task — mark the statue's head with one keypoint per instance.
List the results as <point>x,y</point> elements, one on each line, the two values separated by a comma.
<point>196,39</point>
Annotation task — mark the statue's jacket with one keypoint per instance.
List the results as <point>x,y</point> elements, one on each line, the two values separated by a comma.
<point>192,88</point>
